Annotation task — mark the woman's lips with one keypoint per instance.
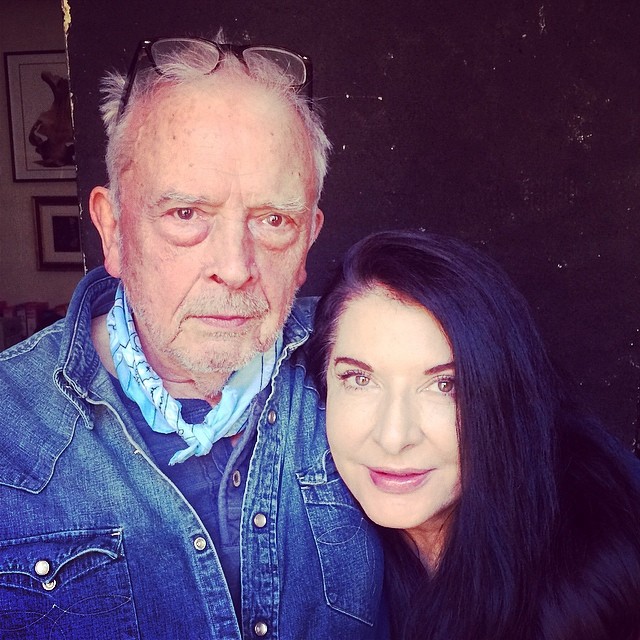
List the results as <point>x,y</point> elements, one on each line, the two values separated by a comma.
<point>398,481</point>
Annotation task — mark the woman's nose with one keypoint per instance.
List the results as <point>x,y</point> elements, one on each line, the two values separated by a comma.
<point>397,424</point>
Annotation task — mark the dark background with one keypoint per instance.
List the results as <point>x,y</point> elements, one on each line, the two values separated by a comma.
<point>512,125</point>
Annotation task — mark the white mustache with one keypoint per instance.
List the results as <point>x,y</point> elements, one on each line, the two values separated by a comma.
<point>229,304</point>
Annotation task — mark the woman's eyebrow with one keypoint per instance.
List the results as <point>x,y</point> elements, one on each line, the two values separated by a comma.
<point>351,362</point>
<point>440,367</point>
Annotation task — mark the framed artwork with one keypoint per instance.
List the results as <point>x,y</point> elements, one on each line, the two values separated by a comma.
<point>40,115</point>
<point>58,233</point>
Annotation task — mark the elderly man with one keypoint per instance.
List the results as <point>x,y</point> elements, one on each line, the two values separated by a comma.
<point>163,469</point>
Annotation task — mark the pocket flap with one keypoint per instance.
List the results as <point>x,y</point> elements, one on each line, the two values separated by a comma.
<point>43,557</point>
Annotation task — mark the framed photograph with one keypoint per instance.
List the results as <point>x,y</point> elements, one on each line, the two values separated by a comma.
<point>40,115</point>
<point>58,233</point>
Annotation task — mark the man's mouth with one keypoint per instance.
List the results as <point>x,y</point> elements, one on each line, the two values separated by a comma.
<point>223,321</point>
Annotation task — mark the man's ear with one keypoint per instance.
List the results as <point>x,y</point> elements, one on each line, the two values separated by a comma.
<point>316,224</point>
<point>103,216</point>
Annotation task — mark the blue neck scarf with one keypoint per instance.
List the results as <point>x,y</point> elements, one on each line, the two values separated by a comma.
<point>161,412</point>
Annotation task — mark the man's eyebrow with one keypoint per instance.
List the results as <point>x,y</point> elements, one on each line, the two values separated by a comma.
<point>293,205</point>
<point>178,196</point>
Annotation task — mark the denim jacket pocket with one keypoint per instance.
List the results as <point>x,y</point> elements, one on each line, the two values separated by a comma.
<point>69,584</point>
<point>347,545</point>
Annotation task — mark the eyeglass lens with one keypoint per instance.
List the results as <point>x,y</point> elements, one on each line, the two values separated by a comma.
<point>290,64</point>
<point>164,50</point>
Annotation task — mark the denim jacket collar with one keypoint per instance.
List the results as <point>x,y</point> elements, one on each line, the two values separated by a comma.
<point>79,374</point>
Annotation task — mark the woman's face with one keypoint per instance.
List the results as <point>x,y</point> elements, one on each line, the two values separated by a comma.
<point>391,415</point>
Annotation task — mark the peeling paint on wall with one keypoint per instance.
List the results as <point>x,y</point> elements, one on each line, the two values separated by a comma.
<point>542,21</point>
<point>66,17</point>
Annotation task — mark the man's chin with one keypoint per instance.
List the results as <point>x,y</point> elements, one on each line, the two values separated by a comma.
<point>215,361</point>
<point>216,353</point>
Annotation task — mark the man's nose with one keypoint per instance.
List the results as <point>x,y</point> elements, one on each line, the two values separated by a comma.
<point>397,424</point>
<point>230,253</point>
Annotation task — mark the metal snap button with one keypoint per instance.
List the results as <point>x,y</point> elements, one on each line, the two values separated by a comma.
<point>42,567</point>
<point>272,416</point>
<point>49,586</point>
<point>200,543</point>
<point>236,478</point>
<point>260,629</point>
<point>260,520</point>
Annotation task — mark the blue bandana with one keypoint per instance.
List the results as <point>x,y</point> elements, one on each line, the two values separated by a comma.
<point>143,385</point>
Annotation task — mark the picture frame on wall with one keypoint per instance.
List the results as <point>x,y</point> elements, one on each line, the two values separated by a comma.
<point>58,233</point>
<point>42,145</point>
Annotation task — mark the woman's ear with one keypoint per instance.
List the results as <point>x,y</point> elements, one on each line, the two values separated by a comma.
<point>105,221</point>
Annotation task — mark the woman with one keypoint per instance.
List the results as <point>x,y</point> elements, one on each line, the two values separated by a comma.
<point>506,512</point>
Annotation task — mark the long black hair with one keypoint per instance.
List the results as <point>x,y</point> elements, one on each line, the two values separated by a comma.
<point>514,564</point>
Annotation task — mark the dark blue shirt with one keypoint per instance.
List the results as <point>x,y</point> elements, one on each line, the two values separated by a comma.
<point>213,484</point>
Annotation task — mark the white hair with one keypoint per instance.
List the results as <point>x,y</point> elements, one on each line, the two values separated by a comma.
<point>192,64</point>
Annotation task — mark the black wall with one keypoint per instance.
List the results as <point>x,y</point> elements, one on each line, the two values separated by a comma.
<point>513,125</point>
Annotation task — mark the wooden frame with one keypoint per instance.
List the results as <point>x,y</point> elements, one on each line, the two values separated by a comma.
<point>42,143</point>
<point>58,233</point>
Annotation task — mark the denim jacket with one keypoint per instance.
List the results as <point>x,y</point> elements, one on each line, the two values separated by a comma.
<point>96,542</point>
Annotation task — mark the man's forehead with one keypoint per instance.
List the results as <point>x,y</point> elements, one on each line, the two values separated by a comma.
<point>209,183</point>
<point>231,114</point>
<point>206,141</point>
<point>221,94</point>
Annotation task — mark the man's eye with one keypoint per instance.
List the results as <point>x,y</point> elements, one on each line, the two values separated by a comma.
<point>275,231</point>
<point>184,213</point>
<point>274,220</point>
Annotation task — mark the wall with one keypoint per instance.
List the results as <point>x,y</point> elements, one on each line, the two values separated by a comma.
<point>513,125</point>
<point>27,25</point>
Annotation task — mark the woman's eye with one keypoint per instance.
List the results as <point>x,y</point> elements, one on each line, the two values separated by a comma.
<point>446,385</point>
<point>354,379</point>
